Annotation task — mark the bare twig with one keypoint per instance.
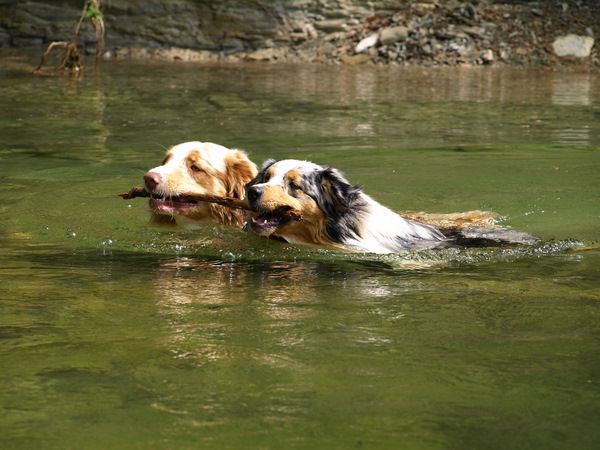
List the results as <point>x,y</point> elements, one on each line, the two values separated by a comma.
<point>235,203</point>
<point>229,202</point>
<point>70,60</point>
<point>51,47</point>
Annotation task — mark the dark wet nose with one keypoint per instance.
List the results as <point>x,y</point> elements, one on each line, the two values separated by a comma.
<point>254,193</point>
<point>151,180</point>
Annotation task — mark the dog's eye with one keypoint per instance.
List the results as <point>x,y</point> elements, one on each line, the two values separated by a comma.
<point>294,186</point>
<point>195,168</point>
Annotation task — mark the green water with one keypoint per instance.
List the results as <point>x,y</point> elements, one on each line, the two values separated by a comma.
<point>115,333</point>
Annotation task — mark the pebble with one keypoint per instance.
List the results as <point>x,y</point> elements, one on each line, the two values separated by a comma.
<point>330,26</point>
<point>476,32</point>
<point>367,43</point>
<point>265,54</point>
<point>392,35</point>
<point>487,56</point>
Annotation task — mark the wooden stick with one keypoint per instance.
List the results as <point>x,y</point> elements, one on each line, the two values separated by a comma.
<point>134,192</point>
<point>229,202</point>
<point>235,203</point>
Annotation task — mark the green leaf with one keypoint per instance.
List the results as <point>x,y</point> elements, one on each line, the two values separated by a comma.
<point>92,12</point>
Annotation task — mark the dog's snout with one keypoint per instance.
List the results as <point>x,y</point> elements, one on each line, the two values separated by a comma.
<point>254,193</point>
<point>151,180</point>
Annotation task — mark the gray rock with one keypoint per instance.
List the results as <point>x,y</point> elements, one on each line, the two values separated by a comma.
<point>4,37</point>
<point>51,12</point>
<point>265,54</point>
<point>332,37</point>
<point>152,7</point>
<point>392,35</point>
<point>487,56</point>
<point>573,45</point>
<point>310,30</point>
<point>330,26</point>
<point>475,32</point>
<point>19,41</point>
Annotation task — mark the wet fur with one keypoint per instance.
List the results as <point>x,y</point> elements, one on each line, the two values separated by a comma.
<point>335,213</point>
<point>202,168</point>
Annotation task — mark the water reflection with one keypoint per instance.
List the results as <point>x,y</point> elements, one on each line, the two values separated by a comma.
<point>571,136</point>
<point>210,305</point>
<point>574,90</point>
<point>366,107</point>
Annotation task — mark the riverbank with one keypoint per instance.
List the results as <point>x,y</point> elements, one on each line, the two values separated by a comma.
<point>551,35</point>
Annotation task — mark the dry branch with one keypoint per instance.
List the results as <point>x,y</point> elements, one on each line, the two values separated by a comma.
<point>70,61</point>
<point>235,203</point>
<point>229,202</point>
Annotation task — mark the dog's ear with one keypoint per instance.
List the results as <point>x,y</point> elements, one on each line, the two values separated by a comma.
<point>268,163</point>
<point>260,177</point>
<point>239,171</point>
<point>336,194</point>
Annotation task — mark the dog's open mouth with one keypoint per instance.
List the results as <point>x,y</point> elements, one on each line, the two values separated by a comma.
<point>265,223</point>
<point>269,220</point>
<point>170,204</point>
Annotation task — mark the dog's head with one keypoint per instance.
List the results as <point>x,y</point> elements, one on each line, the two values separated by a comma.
<point>303,202</point>
<point>199,168</point>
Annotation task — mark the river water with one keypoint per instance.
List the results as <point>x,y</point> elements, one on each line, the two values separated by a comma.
<point>117,333</point>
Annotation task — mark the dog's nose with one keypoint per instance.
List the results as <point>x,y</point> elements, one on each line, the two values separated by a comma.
<point>151,180</point>
<point>254,193</point>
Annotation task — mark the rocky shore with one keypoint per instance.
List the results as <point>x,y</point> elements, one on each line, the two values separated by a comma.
<point>545,33</point>
<point>510,33</point>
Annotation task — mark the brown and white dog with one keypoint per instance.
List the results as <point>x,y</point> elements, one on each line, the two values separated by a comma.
<point>333,212</point>
<point>199,168</point>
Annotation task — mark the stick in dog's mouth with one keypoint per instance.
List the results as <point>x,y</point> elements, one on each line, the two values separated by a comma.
<point>275,218</point>
<point>229,202</point>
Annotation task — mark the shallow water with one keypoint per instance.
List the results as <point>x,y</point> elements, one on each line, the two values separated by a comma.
<point>116,333</point>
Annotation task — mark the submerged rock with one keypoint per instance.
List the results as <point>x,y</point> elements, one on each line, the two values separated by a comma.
<point>353,60</point>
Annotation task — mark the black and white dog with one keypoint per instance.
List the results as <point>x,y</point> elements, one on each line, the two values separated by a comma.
<point>302,202</point>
